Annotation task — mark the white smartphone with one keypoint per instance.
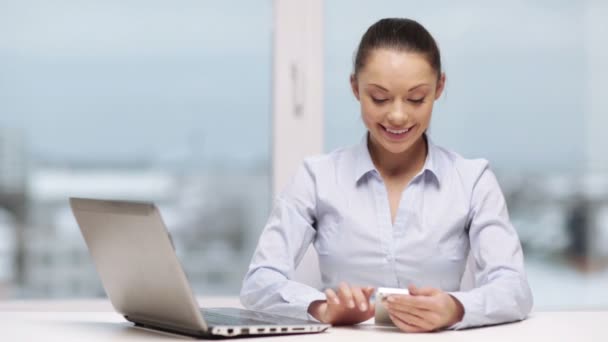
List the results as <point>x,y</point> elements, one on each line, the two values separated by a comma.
<point>381,316</point>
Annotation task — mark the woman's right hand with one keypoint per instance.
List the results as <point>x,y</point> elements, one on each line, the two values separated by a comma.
<point>345,306</point>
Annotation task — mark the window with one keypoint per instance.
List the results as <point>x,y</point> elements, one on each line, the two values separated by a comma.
<point>141,100</point>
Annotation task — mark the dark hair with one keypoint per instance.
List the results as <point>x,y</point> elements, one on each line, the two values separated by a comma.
<point>401,34</point>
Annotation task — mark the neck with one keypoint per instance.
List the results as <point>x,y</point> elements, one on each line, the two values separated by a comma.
<point>390,164</point>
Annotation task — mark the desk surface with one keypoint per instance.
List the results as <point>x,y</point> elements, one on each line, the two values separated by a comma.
<point>94,320</point>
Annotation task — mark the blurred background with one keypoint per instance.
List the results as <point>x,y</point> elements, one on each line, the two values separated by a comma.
<point>171,101</point>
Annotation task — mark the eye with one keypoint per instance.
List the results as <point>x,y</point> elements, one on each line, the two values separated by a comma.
<point>378,101</point>
<point>416,101</point>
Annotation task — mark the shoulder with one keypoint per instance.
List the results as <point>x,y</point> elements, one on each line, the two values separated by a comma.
<point>325,164</point>
<point>469,179</point>
<point>455,167</point>
<point>316,173</point>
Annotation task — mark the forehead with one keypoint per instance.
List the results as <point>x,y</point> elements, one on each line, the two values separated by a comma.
<point>396,69</point>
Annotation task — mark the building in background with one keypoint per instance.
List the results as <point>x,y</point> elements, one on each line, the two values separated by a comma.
<point>13,207</point>
<point>7,252</point>
<point>207,215</point>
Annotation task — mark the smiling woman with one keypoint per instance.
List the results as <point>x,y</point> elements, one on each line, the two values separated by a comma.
<point>394,211</point>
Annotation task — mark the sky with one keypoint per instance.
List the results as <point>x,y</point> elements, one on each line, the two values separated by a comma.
<point>191,80</point>
<point>117,80</point>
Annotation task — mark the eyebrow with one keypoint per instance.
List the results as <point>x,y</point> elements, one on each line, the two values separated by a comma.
<point>412,88</point>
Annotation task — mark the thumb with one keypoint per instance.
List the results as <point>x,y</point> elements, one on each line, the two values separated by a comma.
<point>422,291</point>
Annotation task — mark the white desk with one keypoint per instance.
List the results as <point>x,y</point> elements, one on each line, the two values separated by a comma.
<point>94,320</point>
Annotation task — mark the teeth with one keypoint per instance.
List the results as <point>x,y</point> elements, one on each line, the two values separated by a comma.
<point>397,132</point>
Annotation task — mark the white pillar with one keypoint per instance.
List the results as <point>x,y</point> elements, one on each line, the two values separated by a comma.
<point>298,99</point>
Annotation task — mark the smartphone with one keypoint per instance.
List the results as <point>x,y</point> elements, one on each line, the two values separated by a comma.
<point>381,316</point>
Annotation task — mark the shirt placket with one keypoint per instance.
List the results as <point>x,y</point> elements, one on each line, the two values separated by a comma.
<point>383,217</point>
<point>406,225</point>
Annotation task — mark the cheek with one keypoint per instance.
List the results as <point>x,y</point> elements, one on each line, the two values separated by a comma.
<point>370,114</point>
<point>425,113</point>
<point>421,114</point>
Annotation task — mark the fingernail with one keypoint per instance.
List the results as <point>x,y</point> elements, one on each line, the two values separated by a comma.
<point>351,304</point>
<point>390,299</point>
<point>363,307</point>
<point>336,301</point>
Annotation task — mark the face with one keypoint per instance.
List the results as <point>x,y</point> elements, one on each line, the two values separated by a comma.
<point>396,90</point>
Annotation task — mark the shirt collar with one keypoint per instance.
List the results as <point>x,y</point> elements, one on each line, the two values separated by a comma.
<point>363,160</point>
<point>431,164</point>
<point>365,165</point>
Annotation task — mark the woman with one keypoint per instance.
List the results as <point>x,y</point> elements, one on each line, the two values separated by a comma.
<point>394,211</point>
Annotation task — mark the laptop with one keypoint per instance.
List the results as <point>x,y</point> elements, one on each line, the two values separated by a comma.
<point>141,274</point>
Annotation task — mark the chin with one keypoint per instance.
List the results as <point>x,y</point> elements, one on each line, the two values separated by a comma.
<point>396,149</point>
<point>393,147</point>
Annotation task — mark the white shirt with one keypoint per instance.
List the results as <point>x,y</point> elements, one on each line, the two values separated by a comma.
<point>339,202</point>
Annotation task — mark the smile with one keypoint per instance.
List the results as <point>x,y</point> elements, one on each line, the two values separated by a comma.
<point>396,134</point>
<point>401,131</point>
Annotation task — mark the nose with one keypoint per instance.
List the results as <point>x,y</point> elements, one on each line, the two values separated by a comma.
<point>398,114</point>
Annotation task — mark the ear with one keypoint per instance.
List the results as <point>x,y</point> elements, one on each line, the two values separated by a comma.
<point>354,86</point>
<point>440,86</point>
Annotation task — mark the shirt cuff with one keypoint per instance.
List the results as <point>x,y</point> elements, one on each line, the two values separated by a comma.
<point>299,300</point>
<point>471,304</point>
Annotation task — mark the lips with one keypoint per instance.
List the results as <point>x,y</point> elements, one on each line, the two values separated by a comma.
<point>397,133</point>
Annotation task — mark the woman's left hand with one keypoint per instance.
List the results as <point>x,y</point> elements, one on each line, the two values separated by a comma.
<point>424,309</point>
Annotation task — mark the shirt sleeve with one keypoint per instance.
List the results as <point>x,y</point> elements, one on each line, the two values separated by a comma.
<point>268,284</point>
<point>501,292</point>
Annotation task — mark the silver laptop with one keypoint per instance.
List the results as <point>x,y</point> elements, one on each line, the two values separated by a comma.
<point>145,282</point>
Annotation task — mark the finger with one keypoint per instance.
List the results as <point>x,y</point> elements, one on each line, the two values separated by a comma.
<point>332,297</point>
<point>422,313</point>
<point>360,299</point>
<point>346,296</point>
<point>408,301</point>
<point>421,302</point>
<point>413,320</point>
<point>430,316</point>
<point>422,291</point>
<point>405,326</point>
